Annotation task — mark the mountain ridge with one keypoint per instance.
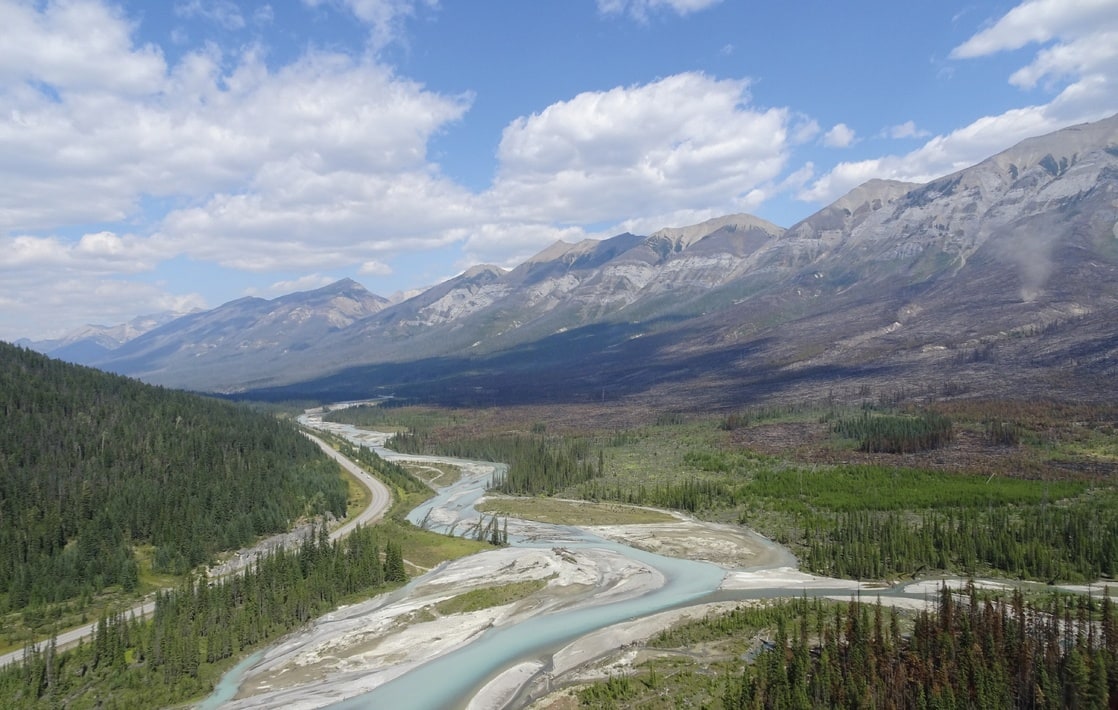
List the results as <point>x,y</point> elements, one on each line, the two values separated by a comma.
<point>916,270</point>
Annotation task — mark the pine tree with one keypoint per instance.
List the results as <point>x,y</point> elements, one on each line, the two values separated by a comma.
<point>394,563</point>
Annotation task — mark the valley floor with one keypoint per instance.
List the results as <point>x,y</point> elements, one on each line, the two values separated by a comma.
<point>361,647</point>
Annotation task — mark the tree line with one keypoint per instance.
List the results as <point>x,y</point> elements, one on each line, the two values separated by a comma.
<point>967,653</point>
<point>965,650</point>
<point>1077,541</point>
<point>895,434</point>
<point>537,464</point>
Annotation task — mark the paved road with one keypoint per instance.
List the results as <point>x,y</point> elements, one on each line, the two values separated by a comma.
<point>379,502</point>
<point>381,497</point>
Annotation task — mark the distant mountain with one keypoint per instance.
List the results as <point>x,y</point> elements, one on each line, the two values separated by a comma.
<point>1000,277</point>
<point>92,343</point>
<point>228,347</point>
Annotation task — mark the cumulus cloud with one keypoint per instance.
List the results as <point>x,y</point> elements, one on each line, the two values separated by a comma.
<point>1078,57</point>
<point>671,144</point>
<point>50,285</point>
<point>641,9</point>
<point>1079,61</point>
<point>674,151</point>
<point>316,150</point>
<point>74,45</point>
<point>840,136</point>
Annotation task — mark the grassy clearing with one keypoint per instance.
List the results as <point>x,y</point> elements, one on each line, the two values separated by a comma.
<point>428,549</point>
<point>570,512</point>
<point>488,597</point>
<point>438,475</point>
<point>423,547</point>
<point>150,580</point>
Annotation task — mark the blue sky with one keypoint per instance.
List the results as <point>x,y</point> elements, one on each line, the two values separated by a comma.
<point>175,155</point>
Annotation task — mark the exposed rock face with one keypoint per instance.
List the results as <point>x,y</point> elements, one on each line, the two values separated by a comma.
<point>1014,258</point>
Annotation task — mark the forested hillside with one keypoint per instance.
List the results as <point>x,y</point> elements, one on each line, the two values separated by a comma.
<point>92,465</point>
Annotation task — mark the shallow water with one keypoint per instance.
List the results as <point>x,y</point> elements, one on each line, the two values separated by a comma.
<point>451,680</point>
<point>227,687</point>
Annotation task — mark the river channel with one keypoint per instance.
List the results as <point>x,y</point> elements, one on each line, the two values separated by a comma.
<point>451,680</point>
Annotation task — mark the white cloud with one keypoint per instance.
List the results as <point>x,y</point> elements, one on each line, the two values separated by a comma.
<point>1089,54</point>
<point>73,45</point>
<point>507,244</point>
<point>314,164</point>
<point>94,253</point>
<point>385,18</point>
<point>1078,59</point>
<point>907,129</point>
<point>46,302</point>
<point>263,15</point>
<point>297,215</point>
<point>797,179</point>
<point>375,268</point>
<point>1039,21</point>
<point>804,129</point>
<point>51,285</point>
<point>641,9</point>
<point>676,143</point>
<point>221,12</point>
<point>840,136</point>
<point>1080,66</point>
<point>939,156</point>
<point>308,282</point>
<point>317,150</point>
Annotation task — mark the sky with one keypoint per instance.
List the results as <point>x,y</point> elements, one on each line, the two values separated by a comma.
<point>172,155</point>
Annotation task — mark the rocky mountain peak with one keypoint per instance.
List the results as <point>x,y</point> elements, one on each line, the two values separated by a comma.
<point>683,237</point>
<point>872,195</point>
<point>484,271</point>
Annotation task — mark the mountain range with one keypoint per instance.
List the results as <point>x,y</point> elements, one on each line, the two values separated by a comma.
<point>999,279</point>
